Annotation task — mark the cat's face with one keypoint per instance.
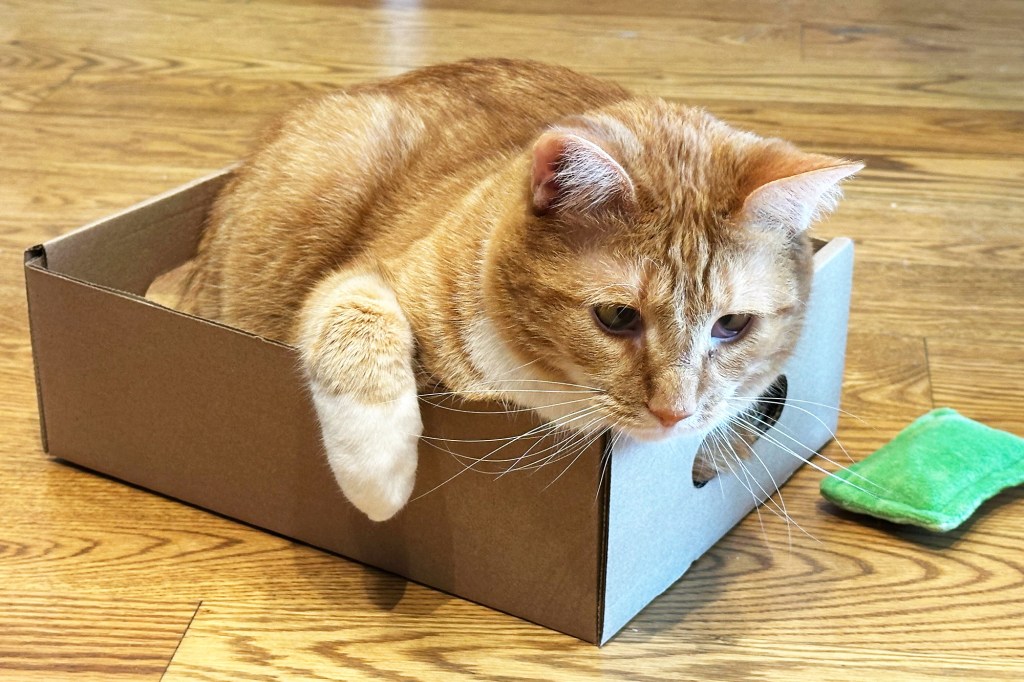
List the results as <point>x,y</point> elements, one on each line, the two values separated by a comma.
<point>678,339</point>
<point>662,272</point>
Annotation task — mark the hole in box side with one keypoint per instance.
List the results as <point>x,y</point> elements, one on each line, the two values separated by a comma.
<point>761,417</point>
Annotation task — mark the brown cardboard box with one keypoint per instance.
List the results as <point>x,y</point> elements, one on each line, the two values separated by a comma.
<point>221,419</point>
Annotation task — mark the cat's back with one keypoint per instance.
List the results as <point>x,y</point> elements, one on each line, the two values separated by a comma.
<point>444,113</point>
<point>499,96</point>
<point>332,177</point>
<point>443,117</point>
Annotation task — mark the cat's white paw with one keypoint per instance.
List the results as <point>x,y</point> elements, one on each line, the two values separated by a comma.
<point>372,448</point>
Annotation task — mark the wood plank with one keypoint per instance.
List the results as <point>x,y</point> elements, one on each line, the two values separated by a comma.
<point>953,251</point>
<point>939,13</point>
<point>855,129</point>
<point>382,41</point>
<point>923,177</point>
<point>954,47</point>
<point>22,92</point>
<point>117,164</point>
<point>65,636</point>
<point>17,383</point>
<point>936,301</point>
<point>982,377</point>
<point>27,74</point>
<point>675,77</point>
<point>233,641</point>
<point>899,588</point>
<point>678,57</point>
<point>122,143</point>
<point>50,203</point>
<point>945,213</point>
<point>851,130</point>
<point>886,386</point>
<point>70,535</point>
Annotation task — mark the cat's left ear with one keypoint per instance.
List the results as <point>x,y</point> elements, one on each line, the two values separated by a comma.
<point>571,172</point>
<point>799,198</point>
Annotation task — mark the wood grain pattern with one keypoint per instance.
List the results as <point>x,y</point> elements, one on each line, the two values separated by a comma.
<point>56,636</point>
<point>103,104</point>
<point>968,375</point>
<point>229,642</point>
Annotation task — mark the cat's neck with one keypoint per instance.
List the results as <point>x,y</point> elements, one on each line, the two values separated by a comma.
<point>454,256</point>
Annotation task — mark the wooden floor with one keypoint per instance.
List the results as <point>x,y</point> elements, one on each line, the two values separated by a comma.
<point>103,103</point>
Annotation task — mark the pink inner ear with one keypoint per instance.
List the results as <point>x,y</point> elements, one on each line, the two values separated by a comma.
<point>571,172</point>
<point>547,154</point>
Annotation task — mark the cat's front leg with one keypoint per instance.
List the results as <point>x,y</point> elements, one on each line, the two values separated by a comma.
<point>357,347</point>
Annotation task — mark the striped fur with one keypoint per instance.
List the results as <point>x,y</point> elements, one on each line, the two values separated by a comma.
<point>482,208</point>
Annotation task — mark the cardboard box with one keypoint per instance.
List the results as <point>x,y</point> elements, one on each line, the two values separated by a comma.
<point>221,419</point>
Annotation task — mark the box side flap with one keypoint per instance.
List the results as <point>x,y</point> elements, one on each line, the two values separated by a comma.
<point>529,542</point>
<point>222,419</point>
<point>35,260</point>
<point>840,248</point>
<point>604,495</point>
<point>129,250</point>
<point>659,523</point>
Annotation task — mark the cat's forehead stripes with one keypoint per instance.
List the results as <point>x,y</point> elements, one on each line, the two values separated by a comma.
<point>618,293</point>
<point>683,281</point>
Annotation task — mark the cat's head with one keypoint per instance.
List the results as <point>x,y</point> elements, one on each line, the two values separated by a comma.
<point>659,267</point>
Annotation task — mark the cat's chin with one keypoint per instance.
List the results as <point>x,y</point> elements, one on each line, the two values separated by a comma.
<point>657,433</point>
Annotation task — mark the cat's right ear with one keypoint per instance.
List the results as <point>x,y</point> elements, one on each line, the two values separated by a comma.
<point>573,173</point>
<point>797,190</point>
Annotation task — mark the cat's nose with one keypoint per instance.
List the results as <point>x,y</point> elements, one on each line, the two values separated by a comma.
<point>668,416</point>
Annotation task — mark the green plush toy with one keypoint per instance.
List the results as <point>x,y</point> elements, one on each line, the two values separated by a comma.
<point>933,474</point>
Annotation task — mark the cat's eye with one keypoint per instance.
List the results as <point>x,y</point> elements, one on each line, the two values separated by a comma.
<point>729,327</point>
<point>617,319</point>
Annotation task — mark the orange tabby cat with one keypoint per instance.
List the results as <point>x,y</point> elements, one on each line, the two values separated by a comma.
<point>511,229</point>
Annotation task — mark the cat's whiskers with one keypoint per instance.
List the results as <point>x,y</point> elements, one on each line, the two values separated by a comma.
<point>561,449</point>
<point>783,431</point>
<point>788,402</point>
<point>714,463</point>
<point>581,448</point>
<point>460,395</point>
<point>557,383</point>
<point>511,395</point>
<point>763,433</point>
<point>529,453</point>
<point>778,508</point>
<point>553,425</point>
<point>560,446</point>
<point>522,366</point>
<point>606,457</point>
<point>465,395</point>
<point>790,522</point>
<point>433,380</point>
<point>578,442</point>
<point>556,446</point>
<point>514,410</point>
<point>537,433</point>
<point>489,386</point>
<point>754,431</point>
<point>742,478</point>
<point>782,502</point>
<point>577,435</point>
